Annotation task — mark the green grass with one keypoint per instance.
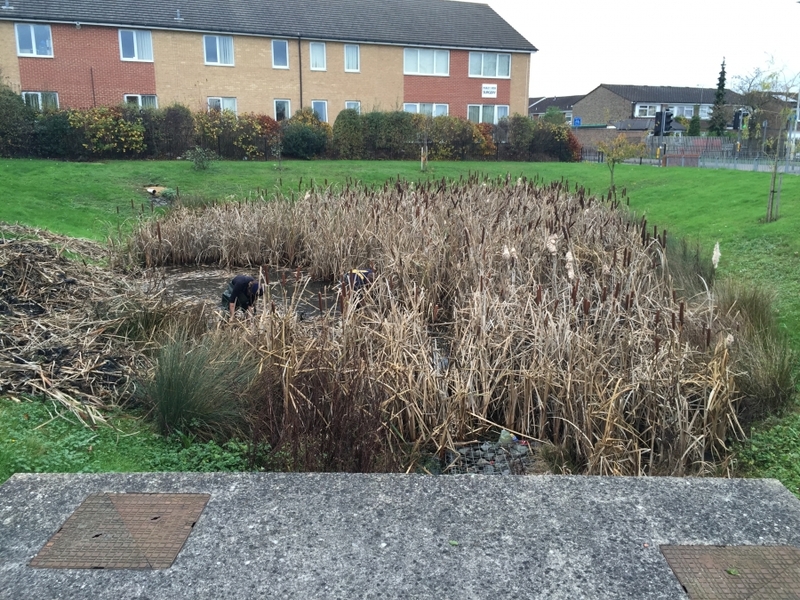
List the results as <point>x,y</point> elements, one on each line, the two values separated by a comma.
<point>93,200</point>
<point>41,437</point>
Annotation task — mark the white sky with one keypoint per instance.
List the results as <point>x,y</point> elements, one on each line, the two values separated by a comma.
<point>583,43</point>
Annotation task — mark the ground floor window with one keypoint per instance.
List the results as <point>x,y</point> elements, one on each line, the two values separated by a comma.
<point>320,108</point>
<point>282,110</point>
<point>220,103</point>
<point>141,100</point>
<point>427,108</point>
<point>487,113</point>
<point>41,100</point>
<point>353,105</point>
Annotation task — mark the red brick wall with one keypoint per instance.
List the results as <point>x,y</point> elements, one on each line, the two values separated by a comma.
<point>80,56</point>
<point>457,90</point>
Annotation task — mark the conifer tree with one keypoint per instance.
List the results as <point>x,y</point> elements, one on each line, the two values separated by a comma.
<point>719,119</point>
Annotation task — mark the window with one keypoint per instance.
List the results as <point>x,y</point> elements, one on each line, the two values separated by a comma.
<point>419,61</point>
<point>489,64</point>
<point>427,108</point>
<point>135,44</point>
<point>353,105</point>
<point>317,51</point>
<point>219,49</point>
<point>218,103</point>
<point>280,54</point>
<point>705,111</point>
<point>646,110</point>
<point>41,100</point>
<point>685,110</point>
<point>486,113</point>
<point>352,58</point>
<point>141,100</point>
<point>282,110</point>
<point>34,40</point>
<point>320,107</point>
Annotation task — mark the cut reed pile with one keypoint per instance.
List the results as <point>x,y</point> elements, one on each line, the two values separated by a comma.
<point>59,321</point>
<point>508,303</point>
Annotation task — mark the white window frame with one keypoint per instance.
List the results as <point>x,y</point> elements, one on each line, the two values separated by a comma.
<point>218,62</point>
<point>644,111</point>
<point>222,101</point>
<point>286,47</point>
<point>356,105</point>
<point>411,62</point>
<point>126,98</point>
<point>38,96</point>
<point>136,49</point>
<point>483,74</point>
<point>324,104</point>
<point>288,108</point>
<point>496,116</point>
<point>318,47</point>
<point>358,58</point>
<point>31,28</point>
<point>705,111</point>
<point>416,108</point>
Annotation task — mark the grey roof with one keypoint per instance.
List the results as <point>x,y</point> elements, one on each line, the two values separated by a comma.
<point>670,95</point>
<point>541,104</point>
<point>418,22</point>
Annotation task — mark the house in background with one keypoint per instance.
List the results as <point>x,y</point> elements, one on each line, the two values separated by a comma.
<point>537,107</point>
<point>438,57</point>
<point>609,103</point>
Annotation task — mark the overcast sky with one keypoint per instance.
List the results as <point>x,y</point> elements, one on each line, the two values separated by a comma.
<point>583,43</point>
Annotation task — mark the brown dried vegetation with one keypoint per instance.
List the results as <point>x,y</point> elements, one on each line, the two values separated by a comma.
<point>511,303</point>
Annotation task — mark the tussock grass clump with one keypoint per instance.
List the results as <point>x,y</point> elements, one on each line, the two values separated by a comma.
<point>507,303</point>
<point>199,385</point>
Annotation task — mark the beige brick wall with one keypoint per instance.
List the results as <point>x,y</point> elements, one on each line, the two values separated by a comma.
<point>600,107</point>
<point>9,63</point>
<point>520,80</point>
<point>182,76</point>
<point>378,86</point>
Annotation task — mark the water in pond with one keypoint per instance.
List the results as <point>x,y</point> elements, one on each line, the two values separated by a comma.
<point>206,284</point>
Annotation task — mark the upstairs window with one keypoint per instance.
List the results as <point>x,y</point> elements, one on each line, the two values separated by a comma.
<point>41,100</point>
<point>422,61</point>
<point>646,110</point>
<point>317,51</point>
<point>34,40</point>
<point>141,100</point>
<point>135,44</point>
<point>280,54</point>
<point>219,50</point>
<point>219,103</point>
<point>489,64</point>
<point>352,58</point>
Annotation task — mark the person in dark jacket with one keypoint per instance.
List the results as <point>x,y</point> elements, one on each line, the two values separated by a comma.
<point>241,294</point>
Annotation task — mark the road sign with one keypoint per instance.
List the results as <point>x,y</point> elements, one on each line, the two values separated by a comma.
<point>576,122</point>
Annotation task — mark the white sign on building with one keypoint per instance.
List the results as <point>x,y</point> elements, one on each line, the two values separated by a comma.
<point>489,90</point>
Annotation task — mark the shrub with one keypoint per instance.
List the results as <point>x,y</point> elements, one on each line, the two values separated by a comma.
<point>178,130</point>
<point>301,140</point>
<point>199,386</point>
<point>201,157</point>
<point>16,124</point>
<point>348,135</point>
<point>520,136</point>
<point>390,135</point>
<point>54,137</point>
<point>107,132</point>
<point>454,138</point>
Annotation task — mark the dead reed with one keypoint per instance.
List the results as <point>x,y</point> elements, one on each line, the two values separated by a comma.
<point>515,303</point>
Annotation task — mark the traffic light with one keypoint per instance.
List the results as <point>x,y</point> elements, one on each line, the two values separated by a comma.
<point>667,122</point>
<point>657,126</point>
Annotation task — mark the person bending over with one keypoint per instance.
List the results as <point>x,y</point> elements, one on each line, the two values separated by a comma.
<point>241,294</point>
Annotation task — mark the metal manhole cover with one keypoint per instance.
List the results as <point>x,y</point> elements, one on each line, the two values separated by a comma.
<point>123,531</point>
<point>736,572</point>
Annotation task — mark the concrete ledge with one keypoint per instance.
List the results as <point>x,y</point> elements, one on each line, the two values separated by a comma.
<point>402,536</point>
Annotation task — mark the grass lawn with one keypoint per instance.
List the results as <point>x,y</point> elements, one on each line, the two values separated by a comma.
<point>94,200</point>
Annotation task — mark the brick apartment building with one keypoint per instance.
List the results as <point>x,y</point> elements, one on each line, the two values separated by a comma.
<point>433,56</point>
